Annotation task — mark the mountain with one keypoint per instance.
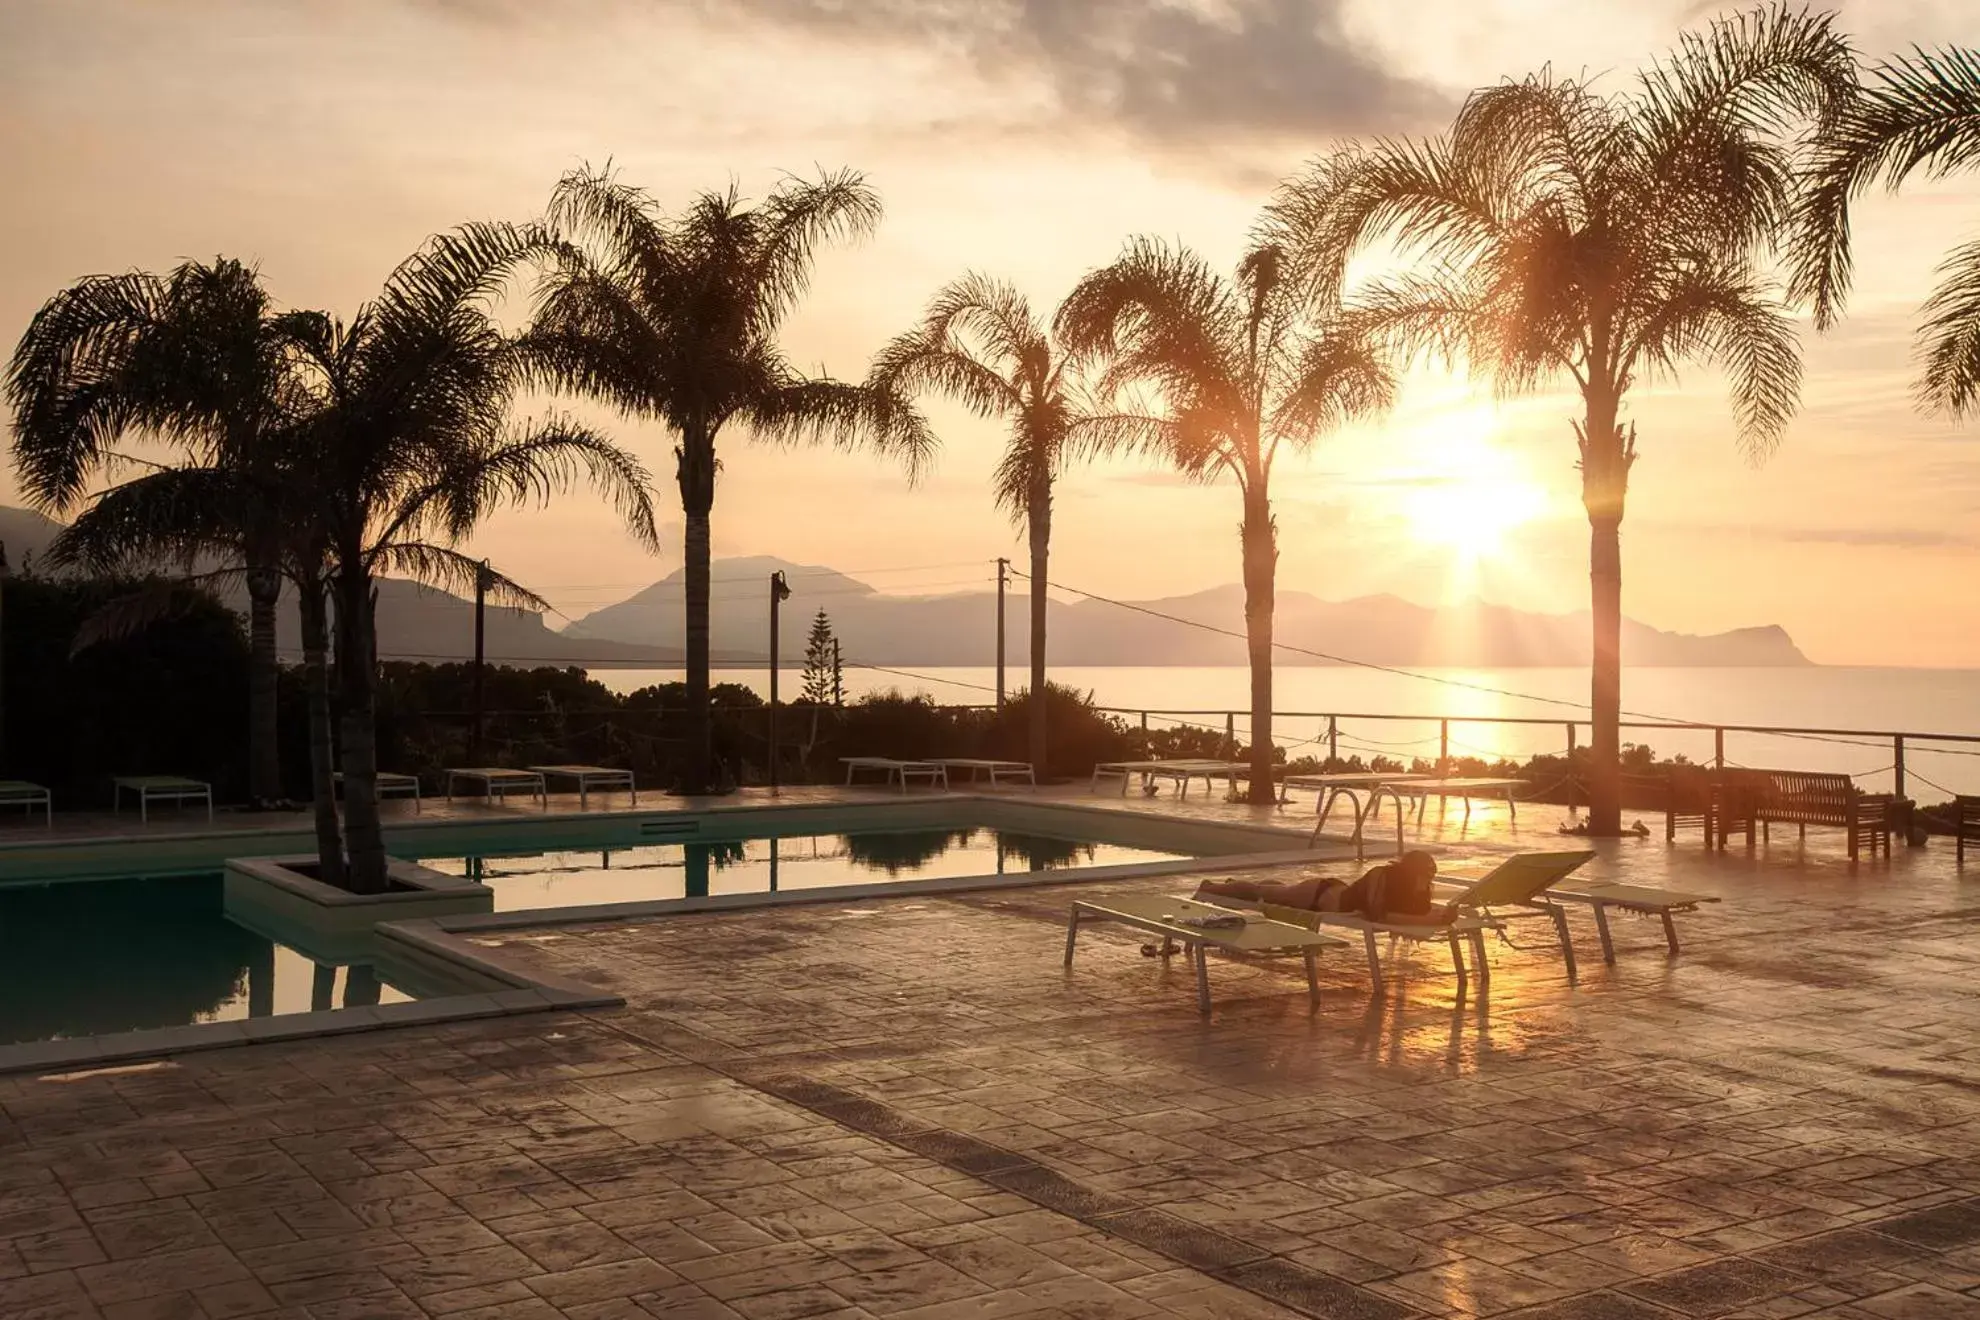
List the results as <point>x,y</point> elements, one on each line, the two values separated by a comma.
<point>414,622</point>
<point>25,534</point>
<point>960,629</point>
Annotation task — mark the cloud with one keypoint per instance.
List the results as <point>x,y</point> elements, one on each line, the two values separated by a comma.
<point>1191,72</point>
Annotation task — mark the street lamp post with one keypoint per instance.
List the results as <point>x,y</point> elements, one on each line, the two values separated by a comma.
<point>780,592</point>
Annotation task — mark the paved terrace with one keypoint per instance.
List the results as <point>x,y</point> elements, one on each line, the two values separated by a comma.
<point>909,1108</point>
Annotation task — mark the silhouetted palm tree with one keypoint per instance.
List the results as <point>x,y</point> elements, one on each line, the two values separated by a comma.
<point>190,515</point>
<point>675,318</point>
<point>407,443</point>
<point>1605,239</point>
<point>981,345</point>
<point>191,357</point>
<point>1246,367</point>
<point>1920,112</point>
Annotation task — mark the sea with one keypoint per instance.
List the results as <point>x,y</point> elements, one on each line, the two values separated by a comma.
<point>1398,714</point>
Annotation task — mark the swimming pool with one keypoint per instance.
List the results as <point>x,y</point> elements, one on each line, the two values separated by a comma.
<point>108,956</point>
<point>630,870</point>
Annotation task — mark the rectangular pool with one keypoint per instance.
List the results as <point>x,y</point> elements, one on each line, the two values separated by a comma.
<point>635,871</point>
<point>99,957</point>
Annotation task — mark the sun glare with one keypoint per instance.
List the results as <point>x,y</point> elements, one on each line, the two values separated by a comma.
<point>1474,495</point>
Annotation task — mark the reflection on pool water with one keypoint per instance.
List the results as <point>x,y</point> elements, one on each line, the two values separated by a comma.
<point>637,872</point>
<point>99,957</point>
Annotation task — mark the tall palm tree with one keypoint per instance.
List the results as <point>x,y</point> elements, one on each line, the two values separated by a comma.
<point>980,344</point>
<point>1605,239</point>
<point>1920,112</point>
<point>407,443</point>
<point>1247,367</point>
<point>675,318</point>
<point>190,357</point>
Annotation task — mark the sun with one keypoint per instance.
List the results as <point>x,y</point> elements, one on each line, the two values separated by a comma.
<point>1473,494</point>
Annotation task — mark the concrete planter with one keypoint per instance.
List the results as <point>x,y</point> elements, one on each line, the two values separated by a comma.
<point>270,896</point>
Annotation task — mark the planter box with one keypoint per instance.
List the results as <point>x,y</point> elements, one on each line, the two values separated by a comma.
<point>270,896</point>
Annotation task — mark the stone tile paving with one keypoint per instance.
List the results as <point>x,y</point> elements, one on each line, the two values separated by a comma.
<point>908,1108</point>
<point>1781,1122</point>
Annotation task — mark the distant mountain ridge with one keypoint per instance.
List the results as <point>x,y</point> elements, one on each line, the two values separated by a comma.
<point>960,628</point>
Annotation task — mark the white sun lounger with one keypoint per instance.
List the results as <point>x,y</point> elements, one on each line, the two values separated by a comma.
<point>1015,771</point>
<point>498,781</point>
<point>160,788</point>
<point>896,771</point>
<point>1463,789</point>
<point>1179,773</point>
<point>588,777</point>
<point>390,784</point>
<point>1164,916</point>
<point>20,793</point>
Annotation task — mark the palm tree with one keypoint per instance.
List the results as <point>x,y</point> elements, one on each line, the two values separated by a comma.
<point>190,357</point>
<point>1605,239</point>
<point>675,318</point>
<point>1921,112</point>
<point>1247,367</point>
<point>190,515</point>
<point>407,444</point>
<point>980,344</point>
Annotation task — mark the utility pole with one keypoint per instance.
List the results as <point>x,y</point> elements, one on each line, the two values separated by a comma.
<point>838,677</point>
<point>480,669</point>
<point>779,593</point>
<point>1003,576</point>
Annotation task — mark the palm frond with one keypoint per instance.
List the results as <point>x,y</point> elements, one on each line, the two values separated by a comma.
<point>1722,317</point>
<point>1920,111</point>
<point>156,601</point>
<point>847,416</point>
<point>175,515</point>
<point>530,463</point>
<point>1768,71</point>
<point>1949,336</point>
<point>797,218</point>
<point>451,571</point>
<point>1341,377</point>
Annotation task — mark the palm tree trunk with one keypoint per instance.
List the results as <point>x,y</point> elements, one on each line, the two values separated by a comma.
<point>264,586</point>
<point>1261,559</point>
<point>1041,546</point>
<point>357,683</point>
<point>696,475</point>
<point>322,766</point>
<point>1606,456</point>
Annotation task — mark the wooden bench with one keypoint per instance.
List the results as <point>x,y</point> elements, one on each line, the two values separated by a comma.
<point>1966,825</point>
<point>1803,798</point>
<point>1691,797</point>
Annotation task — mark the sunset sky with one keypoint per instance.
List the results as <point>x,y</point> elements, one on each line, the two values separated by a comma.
<point>1025,138</point>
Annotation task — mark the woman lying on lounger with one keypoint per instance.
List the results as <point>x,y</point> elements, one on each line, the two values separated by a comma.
<point>1393,891</point>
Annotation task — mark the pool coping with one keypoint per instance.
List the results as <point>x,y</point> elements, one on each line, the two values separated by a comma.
<point>448,940</point>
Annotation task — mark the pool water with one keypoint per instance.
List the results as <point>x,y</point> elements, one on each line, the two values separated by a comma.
<point>645,871</point>
<point>98,957</point>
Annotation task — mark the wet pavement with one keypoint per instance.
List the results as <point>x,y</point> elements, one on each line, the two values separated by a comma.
<point>910,1107</point>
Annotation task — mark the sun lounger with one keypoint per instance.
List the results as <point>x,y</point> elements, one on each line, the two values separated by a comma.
<point>160,788</point>
<point>1523,882</point>
<point>1464,789</point>
<point>20,793</point>
<point>1643,899</point>
<point>1168,917</point>
<point>497,781</point>
<point>390,784</point>
<point>897,772</point>
<point>1179,773</point>
<point>1015,771</point>
<point>589,777</point>
<point>1351,785</point>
